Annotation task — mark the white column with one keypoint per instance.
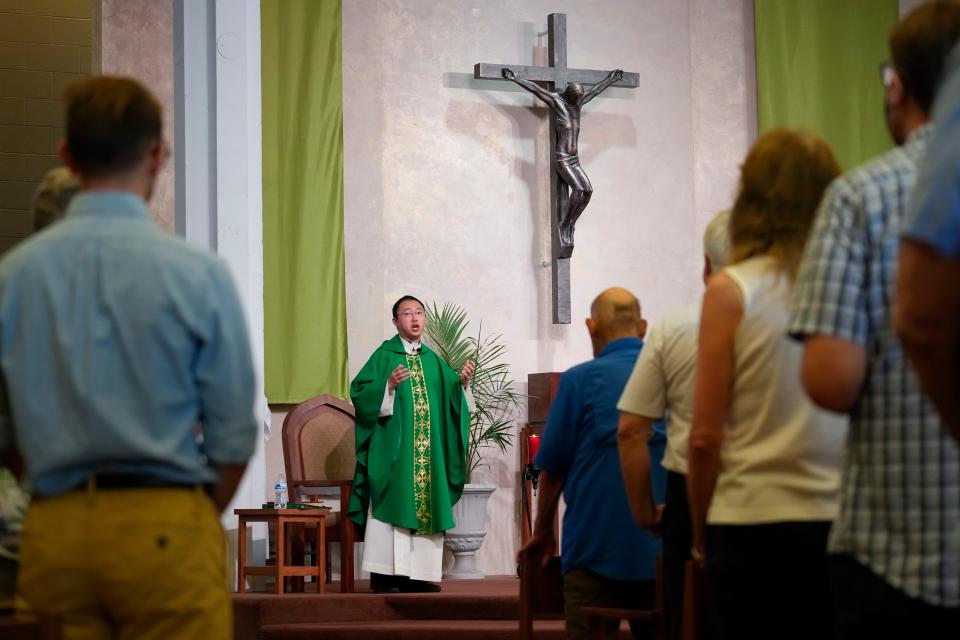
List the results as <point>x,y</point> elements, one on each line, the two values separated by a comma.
<point>239,195</point>
<point>219,196</point>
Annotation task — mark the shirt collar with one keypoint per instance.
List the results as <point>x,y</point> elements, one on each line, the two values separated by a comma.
<point>109,204</point>
<point>920,134</point>
<point>620,344</point>
<point>410,347</point>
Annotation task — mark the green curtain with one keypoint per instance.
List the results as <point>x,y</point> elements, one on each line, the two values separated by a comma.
<point>818,68</point>
<point>305,338</point>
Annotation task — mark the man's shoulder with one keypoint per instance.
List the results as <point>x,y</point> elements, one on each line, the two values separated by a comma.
<point>16,256</point>
<point>872,175</point>
<point>177,250</point>
<point>886,174</point>
<point>578,372</point>
<point>624,357</point>
<point>392,345</point>
<point>385,350</point>
<point>682,320</point>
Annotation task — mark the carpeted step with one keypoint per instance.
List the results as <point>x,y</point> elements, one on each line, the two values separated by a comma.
<point>453,606</point>
<point>419,630</point>
<point>410,630</point>
<point>307,608</point>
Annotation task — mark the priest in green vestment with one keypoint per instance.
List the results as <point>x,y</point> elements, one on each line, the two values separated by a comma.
<point>412,431</point>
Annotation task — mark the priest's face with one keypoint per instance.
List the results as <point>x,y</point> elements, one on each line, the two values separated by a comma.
<point>410,320</point>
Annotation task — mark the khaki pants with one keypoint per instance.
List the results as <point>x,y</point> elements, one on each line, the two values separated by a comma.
<point>138,564</point>
<point>583,588</point>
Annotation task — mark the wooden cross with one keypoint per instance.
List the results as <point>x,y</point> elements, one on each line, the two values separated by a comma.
<point>556,77</point>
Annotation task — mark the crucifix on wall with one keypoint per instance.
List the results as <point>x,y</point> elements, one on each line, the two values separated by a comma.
<point>570,189</point>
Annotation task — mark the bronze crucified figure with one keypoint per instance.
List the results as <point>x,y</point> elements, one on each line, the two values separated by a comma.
<point>566,109</point>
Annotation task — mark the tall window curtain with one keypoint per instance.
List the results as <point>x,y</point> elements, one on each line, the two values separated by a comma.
<point>303,266</point>
<point>818,68</point>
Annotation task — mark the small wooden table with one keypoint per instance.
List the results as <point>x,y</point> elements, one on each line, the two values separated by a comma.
<point>280,518</point>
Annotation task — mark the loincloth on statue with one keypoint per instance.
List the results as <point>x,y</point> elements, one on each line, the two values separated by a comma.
<point>567,160</point>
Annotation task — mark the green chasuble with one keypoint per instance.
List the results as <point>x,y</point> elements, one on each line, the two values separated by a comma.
<point>411,465</point>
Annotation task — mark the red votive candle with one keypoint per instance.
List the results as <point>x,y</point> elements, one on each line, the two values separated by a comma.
<point>533,445</point>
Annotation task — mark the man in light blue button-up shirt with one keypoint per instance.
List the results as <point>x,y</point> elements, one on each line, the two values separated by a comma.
<point>127,391</point>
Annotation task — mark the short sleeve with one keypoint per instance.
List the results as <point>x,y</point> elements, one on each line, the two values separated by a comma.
<point>829,295</point>
<point>225,376</point>
<point>933,216</point>
<point>646,391</point>
<point>558,445</point>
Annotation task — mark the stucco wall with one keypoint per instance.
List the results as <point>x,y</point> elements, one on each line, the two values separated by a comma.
<point>135,38</point>
<point>446,178</point>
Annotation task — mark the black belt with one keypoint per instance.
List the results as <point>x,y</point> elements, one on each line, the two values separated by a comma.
<point>113,481</point>
<point>133,481</point>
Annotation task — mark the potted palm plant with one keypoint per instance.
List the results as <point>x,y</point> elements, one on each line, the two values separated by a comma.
<point>491,424</point>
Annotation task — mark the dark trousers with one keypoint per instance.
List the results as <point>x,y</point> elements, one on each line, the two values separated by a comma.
<point>770,581</point>
<point>584,588</point>
<point>868,607</point>
<point>677,534</point>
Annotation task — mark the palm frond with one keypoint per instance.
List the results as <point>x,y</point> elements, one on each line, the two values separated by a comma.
<point>498,403</point>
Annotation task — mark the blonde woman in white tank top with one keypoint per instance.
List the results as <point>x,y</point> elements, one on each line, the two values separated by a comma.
<point>764,463</point>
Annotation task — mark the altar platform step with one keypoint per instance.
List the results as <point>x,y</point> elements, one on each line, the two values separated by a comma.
<point>411,630</point>
<point>464,610</point>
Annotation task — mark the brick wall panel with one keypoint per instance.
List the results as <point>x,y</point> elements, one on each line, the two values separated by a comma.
<point>15,83</point>
<point>45,30</point>
<point>39,57</point>
<point>60,82</point>
<point>37,166</point>
<point>17,195</point>
<point>12,111</point>
<point>13,166</point>
<point>62,8</point>
<point>32,140</point>
<point>43,113</point>
<point>15,223</point>
<point>44,46</point>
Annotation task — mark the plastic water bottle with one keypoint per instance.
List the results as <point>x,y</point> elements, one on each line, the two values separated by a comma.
<point>280,492</point>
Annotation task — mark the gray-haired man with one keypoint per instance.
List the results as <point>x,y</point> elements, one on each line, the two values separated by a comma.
<point>662,385</point>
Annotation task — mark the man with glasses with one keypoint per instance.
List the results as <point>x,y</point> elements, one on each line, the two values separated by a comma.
<point>894,545</point>
<point>412,433</point>
<point>927,317</point>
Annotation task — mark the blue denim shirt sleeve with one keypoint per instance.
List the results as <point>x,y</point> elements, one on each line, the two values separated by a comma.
<point>558,445</point>
<point>934,214</point>
<point>225,376</point>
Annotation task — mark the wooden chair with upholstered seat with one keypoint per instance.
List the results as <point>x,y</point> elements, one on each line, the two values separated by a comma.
<point>319,455</point>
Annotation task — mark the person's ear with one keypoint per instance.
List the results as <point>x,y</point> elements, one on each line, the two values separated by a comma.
<point>396,323</point>
<point>591,327</point>
<point>896,94</point>
<point>159,153</point>
<point>643,327</point>
<point>66,157</point>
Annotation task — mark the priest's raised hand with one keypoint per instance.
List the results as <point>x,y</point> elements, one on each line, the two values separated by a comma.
<point>466,373</point>
<point>398,375</point>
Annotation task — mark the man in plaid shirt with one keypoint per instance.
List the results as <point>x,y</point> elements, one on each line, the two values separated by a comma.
<point>896,541</point>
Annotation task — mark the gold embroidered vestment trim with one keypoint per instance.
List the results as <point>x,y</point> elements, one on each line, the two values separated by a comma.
<point>421,444</point>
